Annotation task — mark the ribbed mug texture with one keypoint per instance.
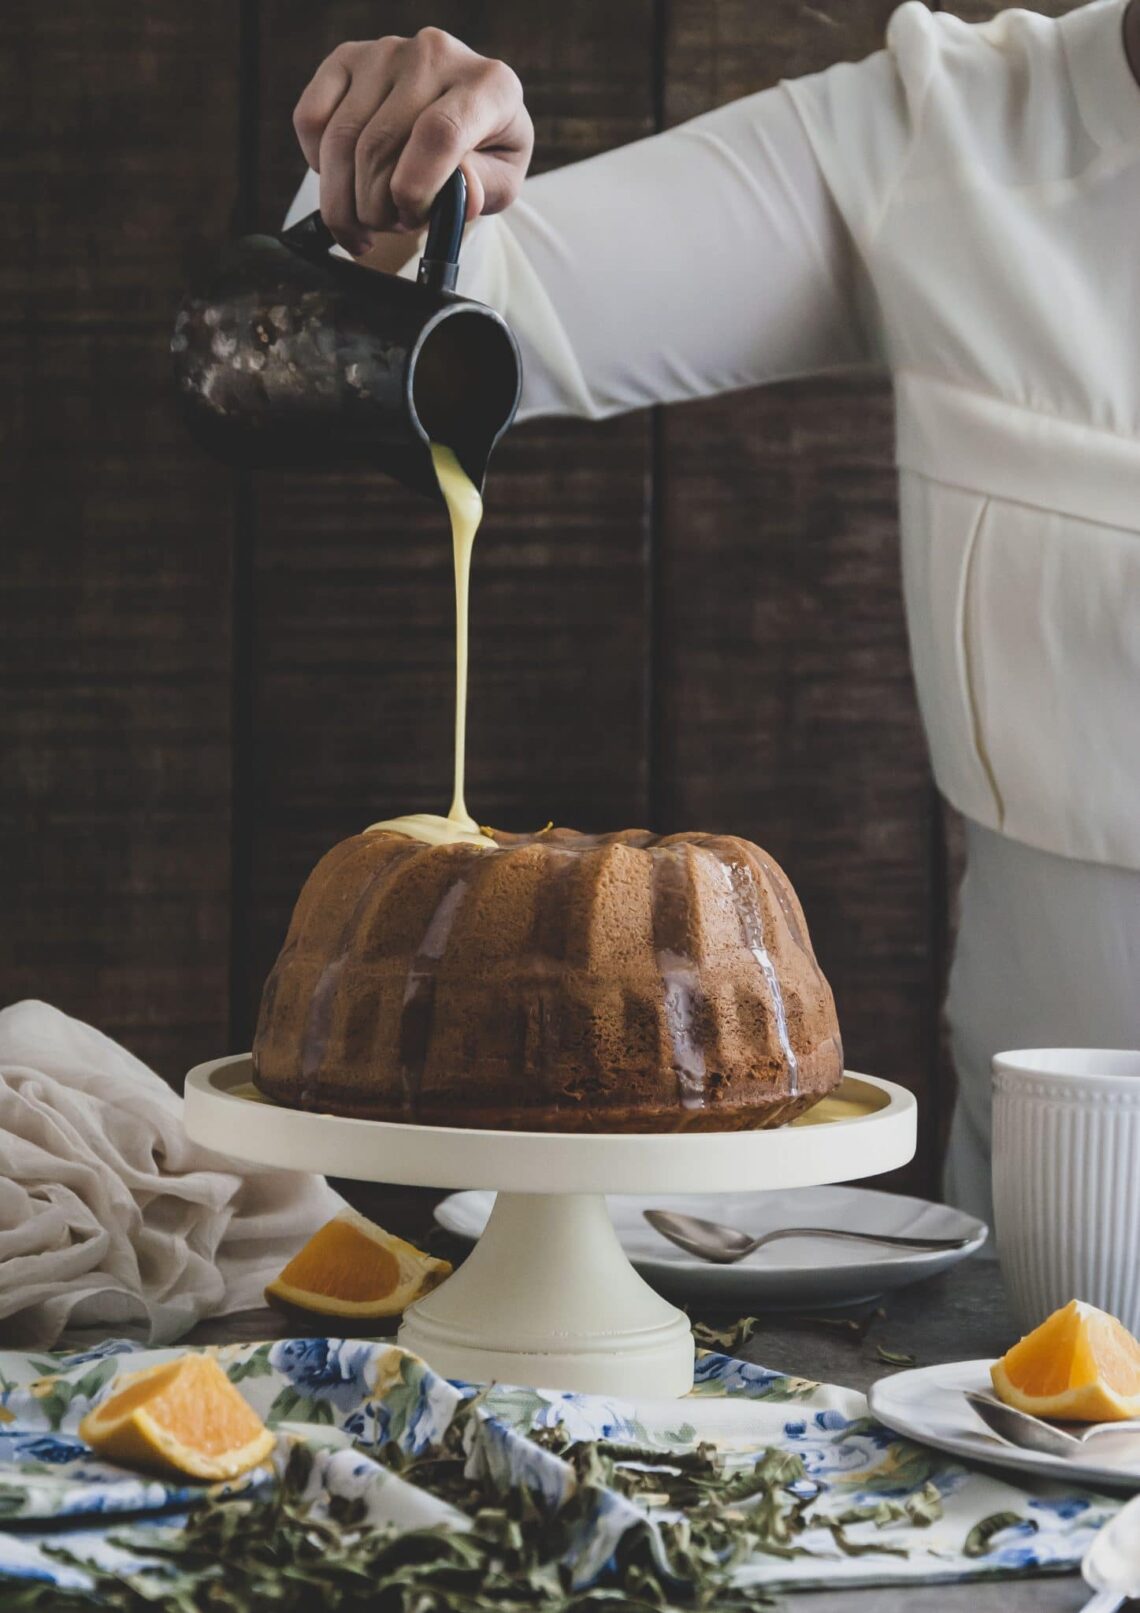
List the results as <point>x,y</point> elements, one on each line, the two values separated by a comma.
<point>1066,1178</point>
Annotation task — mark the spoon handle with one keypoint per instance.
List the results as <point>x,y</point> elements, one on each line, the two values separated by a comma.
<point>890,1239</point>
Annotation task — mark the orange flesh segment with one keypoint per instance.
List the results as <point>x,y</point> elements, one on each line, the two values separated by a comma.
<point>137,1394</point>
<point>1077,1347</point>
<point>343,1262</point>
<point>192,1400</point>
<point>1083,1359</point>
<point>1117,1355</point>
<point>1041,1364</point>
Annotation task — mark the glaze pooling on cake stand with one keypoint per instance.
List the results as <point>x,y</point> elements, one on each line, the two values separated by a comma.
<point>548,1296</point>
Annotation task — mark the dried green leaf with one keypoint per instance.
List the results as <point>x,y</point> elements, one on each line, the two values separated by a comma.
<point>981,1537</point>
<point>862,1548</point>
<point>895,1358</point>
<point>926,1507</point>
<point>725,1339</point>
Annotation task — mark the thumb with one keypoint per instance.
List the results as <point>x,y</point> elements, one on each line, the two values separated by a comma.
<point>476,195</point>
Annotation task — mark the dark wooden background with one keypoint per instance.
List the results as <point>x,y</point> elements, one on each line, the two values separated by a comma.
<point>685,619</point>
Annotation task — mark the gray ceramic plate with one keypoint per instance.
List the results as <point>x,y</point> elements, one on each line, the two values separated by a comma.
<point>789,1275</point>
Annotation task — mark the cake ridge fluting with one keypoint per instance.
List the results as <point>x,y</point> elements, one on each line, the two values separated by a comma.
<point>556,981</point>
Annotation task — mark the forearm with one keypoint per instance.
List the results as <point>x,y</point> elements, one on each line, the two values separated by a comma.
<point>702,260</point>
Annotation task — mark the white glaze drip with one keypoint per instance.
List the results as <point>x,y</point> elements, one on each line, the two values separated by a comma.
<point>682,987</point>
<point>419,989</point>
<point>743,886</point>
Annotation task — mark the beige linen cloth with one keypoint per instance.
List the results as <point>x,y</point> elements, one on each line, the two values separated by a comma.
<point>110,1218</point>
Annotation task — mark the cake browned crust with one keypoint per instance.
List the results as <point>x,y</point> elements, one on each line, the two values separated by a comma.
<point>560,982</point>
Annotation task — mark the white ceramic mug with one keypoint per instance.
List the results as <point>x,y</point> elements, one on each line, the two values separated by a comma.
<point>1066,1173</point>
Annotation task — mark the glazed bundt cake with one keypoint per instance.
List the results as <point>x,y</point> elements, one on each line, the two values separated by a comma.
<point>552,982</point>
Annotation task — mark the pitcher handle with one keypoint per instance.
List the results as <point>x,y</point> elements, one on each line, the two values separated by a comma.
<point>439,265</point>
<point>440,262</point>
<point>310,237</point>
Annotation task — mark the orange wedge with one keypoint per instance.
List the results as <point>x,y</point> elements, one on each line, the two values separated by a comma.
<point>353,1268</point>
<point>183,1417</point>
<point>1081,1365</point>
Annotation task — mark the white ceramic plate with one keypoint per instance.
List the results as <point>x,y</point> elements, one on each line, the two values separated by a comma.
<point>791,1274</point>
<point>928,1404</point>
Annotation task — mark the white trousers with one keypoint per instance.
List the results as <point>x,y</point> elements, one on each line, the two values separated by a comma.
<point>1048,955</point>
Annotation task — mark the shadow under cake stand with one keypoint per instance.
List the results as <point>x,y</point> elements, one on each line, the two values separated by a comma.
<point>548,1296</point>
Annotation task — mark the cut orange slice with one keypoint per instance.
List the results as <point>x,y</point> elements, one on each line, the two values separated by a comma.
<point>353,1268</point>
<point>183,1417</point>
<point>1081,1365</point>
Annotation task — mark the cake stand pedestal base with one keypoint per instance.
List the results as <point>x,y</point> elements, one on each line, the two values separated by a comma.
<point>548,1296</point>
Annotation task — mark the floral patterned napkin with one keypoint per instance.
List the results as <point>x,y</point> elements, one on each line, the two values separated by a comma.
<point>908,1512</point>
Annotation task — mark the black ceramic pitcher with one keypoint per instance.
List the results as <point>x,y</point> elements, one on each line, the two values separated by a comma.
<point>292,357</point>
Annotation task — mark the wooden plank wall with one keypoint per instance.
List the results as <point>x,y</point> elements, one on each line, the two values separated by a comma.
<point>118,153</point>
<point>686,618</point>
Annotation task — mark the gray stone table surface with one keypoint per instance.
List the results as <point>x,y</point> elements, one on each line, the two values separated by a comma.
<point>959,1316</point>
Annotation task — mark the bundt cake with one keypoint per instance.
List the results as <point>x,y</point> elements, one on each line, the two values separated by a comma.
<point>551,982</point>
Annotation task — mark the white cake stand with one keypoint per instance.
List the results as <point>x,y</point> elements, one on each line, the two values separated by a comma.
<point>547,1296</point>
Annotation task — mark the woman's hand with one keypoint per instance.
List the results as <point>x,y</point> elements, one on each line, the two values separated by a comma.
<point>385,122</point>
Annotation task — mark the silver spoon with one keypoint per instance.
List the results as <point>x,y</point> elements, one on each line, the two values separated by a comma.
<point>708,1240</point>
<point>1034,1433</point>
